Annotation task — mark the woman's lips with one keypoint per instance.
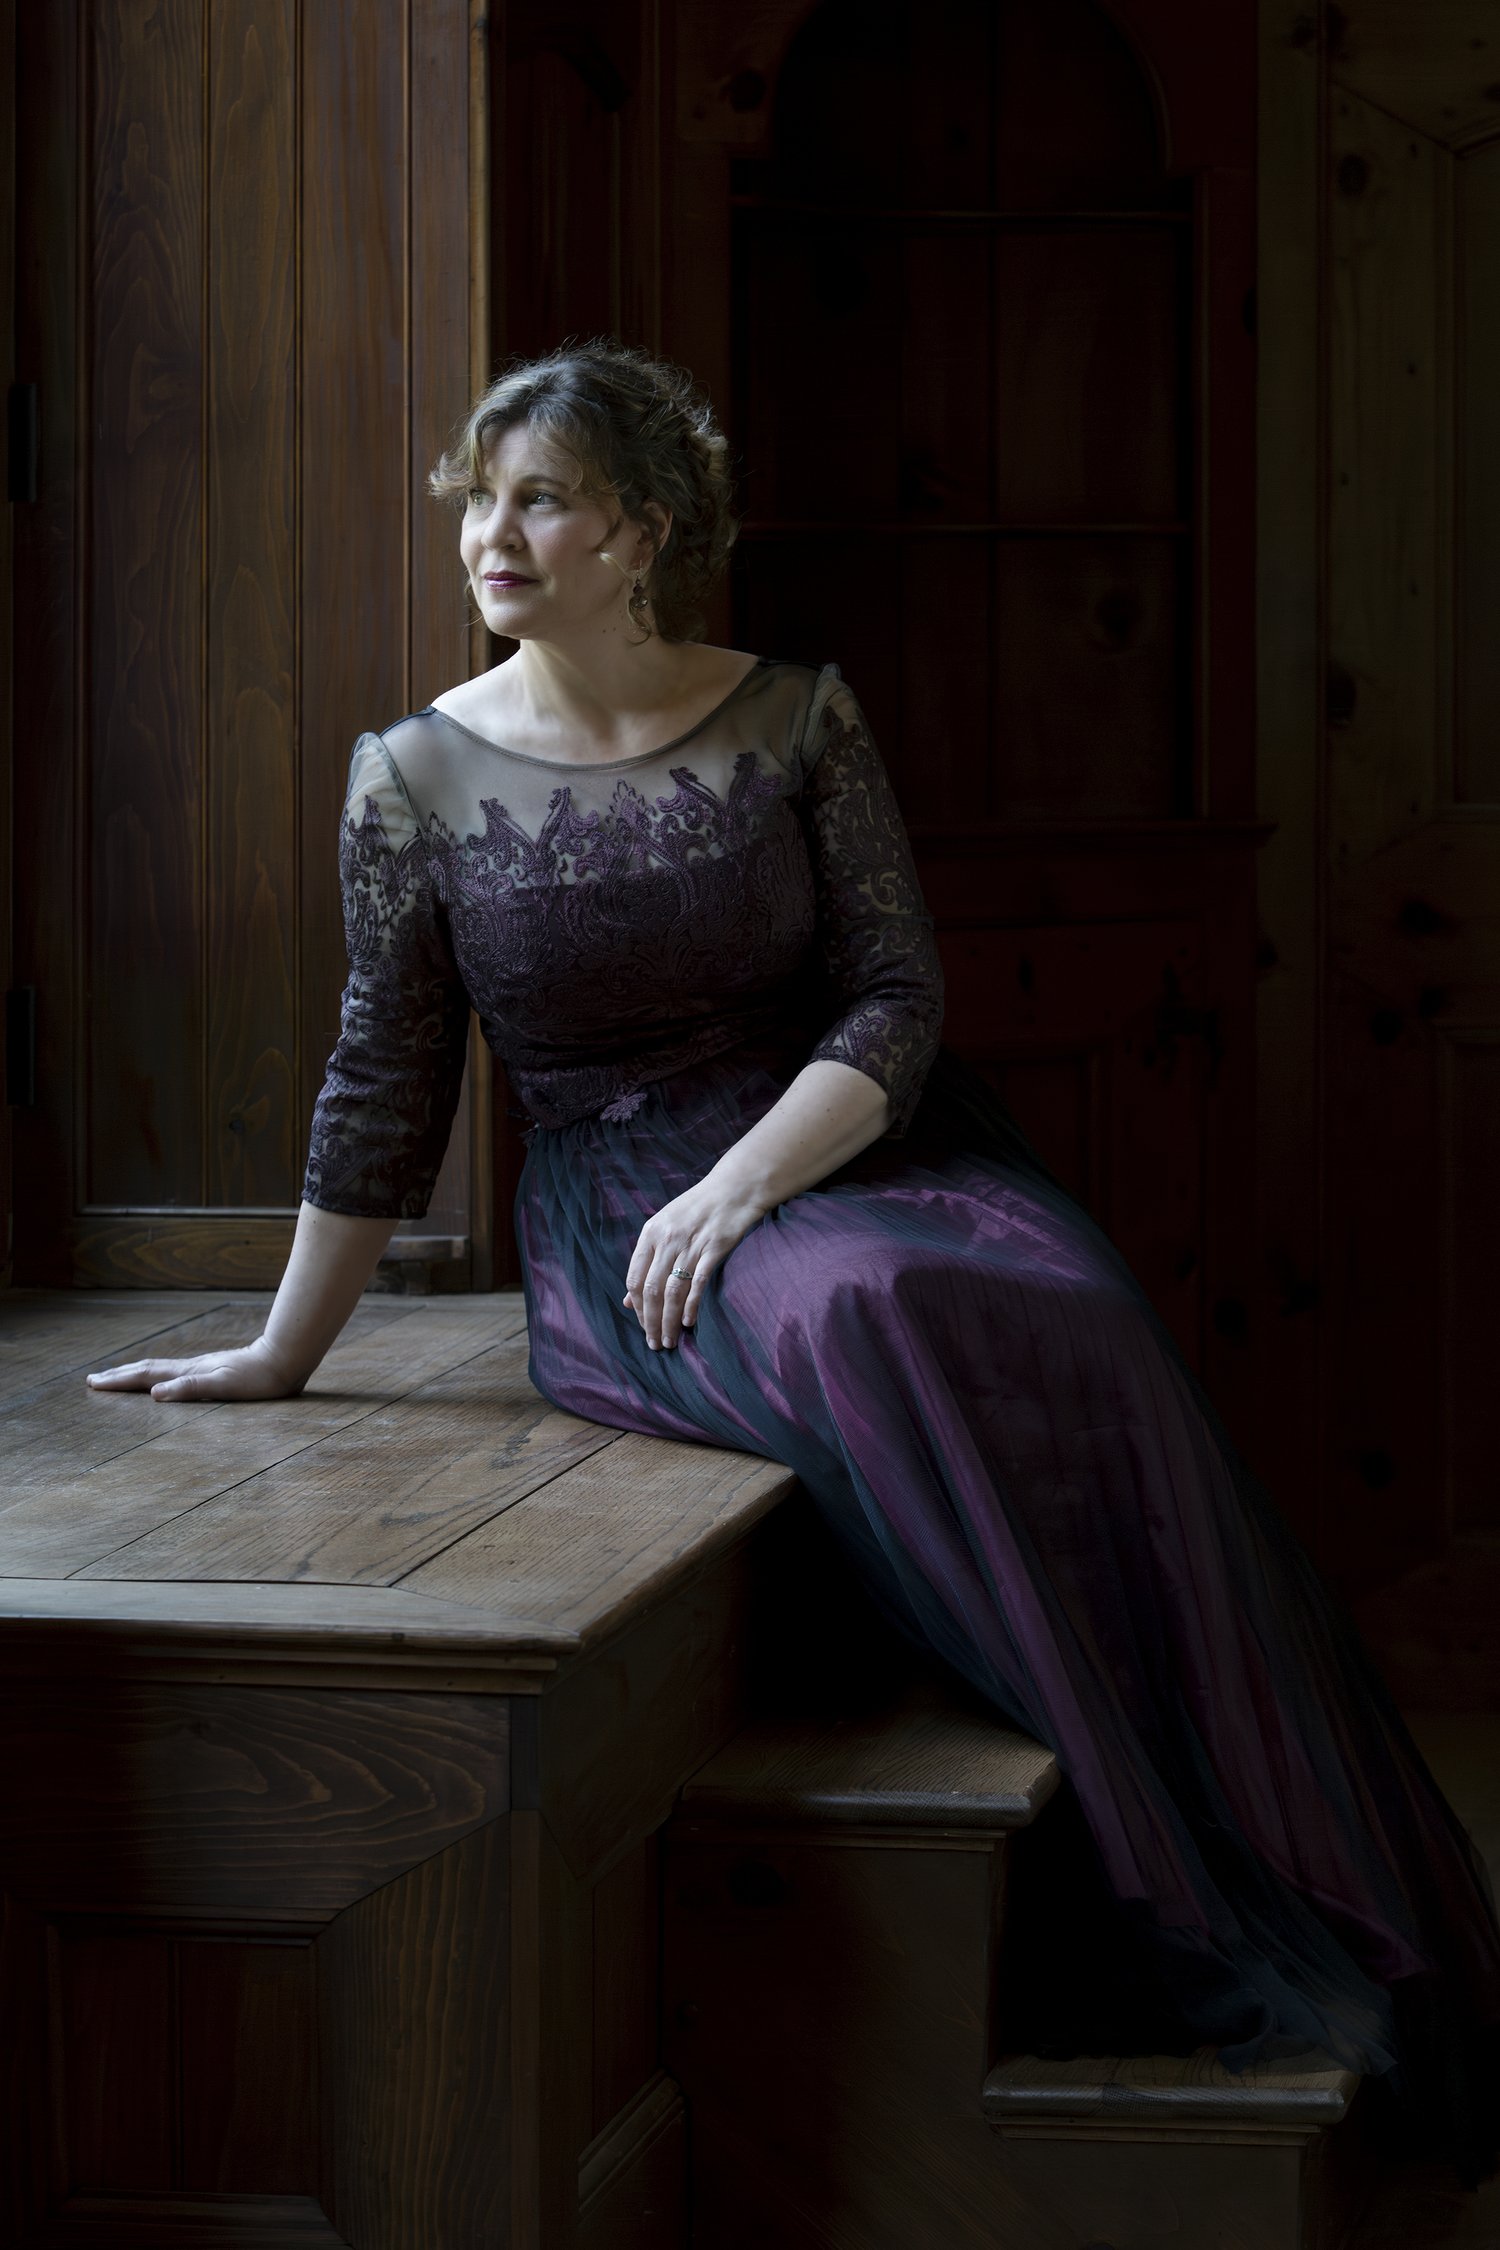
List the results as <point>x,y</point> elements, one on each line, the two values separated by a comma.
<point>506,579</point>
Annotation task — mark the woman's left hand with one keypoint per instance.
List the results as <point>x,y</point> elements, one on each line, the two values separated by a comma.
<point>696,1232</point>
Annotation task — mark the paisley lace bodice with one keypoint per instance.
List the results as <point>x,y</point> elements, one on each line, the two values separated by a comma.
<point>612,923</point>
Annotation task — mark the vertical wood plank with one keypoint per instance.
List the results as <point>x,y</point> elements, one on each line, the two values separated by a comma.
<point>7,590</point>
<point>25,2085</point>
<point>413,2002</point>
<point>1471,1156</point>
<point>48,665</point>
<point>551,2035</point>
<point>626,1950</point>
<point>251,1122</point>
<point>1476,760</point>
<point>115,2015</point>
<point>438,357</point>
<point>1387,1464</point>
<point>144,500</point>
<point>438,367</point>
<point>1287,1321</point>
<point>246,2049</point>
<point>354,448</point>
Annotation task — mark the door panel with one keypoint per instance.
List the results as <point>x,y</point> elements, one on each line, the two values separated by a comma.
<point>1381,1016</point>
<point>247,295</point>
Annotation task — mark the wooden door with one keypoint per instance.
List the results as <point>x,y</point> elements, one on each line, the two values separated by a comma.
<point>245,296</point>
<point>1382,571</point>
<point>972,289</point>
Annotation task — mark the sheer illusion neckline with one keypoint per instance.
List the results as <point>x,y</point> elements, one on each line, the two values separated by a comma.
<point>608,765</point>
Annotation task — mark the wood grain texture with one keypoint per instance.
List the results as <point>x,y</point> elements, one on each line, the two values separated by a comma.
<point>626,1907</point>
<point>578,1557</point>
<point>248,2075</point>
<point>681,1672</point>
<point>45,1335</point>
<point>353,461</point>
<point>249,299</point>
<point>369,1502</point>
<point>166,1250</point>
<point>114,2005</point>
<point>825,2012</point>
<point>417,2120</point>
<point>1186,2093</point>
<point>923,1762</point>
<point>202,1801</point>
<point>92,1471</point>
<point>1243,2198</point>
<point>292,1634</point>
<point>1398,874</point>
<point>632,2178</point>
<point>552,1972</point>
<point>253,1133</point>
<point>50,683</point>
<point>145,504</point>
<point>174,2221</point>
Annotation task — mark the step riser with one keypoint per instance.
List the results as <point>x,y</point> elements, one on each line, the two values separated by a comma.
<point>828,2015</point>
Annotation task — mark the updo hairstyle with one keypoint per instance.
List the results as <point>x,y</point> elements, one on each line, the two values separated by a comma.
<point>638,429</point>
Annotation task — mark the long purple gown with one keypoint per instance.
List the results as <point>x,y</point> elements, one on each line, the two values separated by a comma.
<point>956,1362</point>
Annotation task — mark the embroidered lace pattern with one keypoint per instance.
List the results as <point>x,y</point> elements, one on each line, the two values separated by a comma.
<point>611,928</point>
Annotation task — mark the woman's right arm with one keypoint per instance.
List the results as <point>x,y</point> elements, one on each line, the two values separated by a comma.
<point>382,1120</point>
<point>333,1257</point>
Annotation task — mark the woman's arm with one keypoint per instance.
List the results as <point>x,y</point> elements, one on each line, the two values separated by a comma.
<point>866,1072</point>
<point>332,1259</point>
<point>382,1119</point>
<point>829,1113</point>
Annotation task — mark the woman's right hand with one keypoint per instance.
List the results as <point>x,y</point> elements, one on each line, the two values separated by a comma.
<point>248,1371</point>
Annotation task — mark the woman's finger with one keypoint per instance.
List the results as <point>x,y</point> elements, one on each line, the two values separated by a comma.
<point>639,1266</point>
<point>654,1294</point>
<point>694,1297</point>
<point>136,1375</point>
<point>675,1296</point>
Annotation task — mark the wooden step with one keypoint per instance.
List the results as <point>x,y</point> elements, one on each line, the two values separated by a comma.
<point>1263,2160</point>
<point>1087,2096</point>
<point>833,1893</point>
<point>922,1762</point>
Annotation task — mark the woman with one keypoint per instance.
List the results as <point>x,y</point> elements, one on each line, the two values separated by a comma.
<point>762,1206</point>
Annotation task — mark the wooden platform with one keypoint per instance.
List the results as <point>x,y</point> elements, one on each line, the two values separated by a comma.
<point>340,1731</point>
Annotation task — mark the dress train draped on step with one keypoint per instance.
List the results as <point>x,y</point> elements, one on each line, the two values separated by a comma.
<point>1031,1484</point>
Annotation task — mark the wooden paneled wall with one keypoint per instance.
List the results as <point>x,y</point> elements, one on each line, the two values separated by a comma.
<point>1380,241</point>
<point>12,1058</point>
<point>253,295</point>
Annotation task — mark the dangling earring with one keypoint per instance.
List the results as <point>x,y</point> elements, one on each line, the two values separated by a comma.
<point>638,601</point>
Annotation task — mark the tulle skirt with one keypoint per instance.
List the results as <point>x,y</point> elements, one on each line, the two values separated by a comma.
<point>1033,1488</point>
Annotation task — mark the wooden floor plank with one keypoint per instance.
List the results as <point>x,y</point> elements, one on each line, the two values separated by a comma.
<point>211,1456</point>
<point>373,1501</point>
<point>591,1544</point>
<point>44,1335</point>
<point>62,1428</point>
<point>421,1460</point>
<point>216,1616</point>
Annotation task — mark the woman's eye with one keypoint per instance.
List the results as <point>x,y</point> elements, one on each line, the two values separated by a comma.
<point>477,495</point>
<point>544,496</point>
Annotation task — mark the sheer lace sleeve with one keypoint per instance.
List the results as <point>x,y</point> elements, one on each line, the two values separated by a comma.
<point>876,933</point>
<point>382,1120</point>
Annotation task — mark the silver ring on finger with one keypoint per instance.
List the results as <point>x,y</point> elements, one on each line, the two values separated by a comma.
<point>678,1273</point>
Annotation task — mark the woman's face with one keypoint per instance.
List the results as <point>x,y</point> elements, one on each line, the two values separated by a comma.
<point>537,553</point>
